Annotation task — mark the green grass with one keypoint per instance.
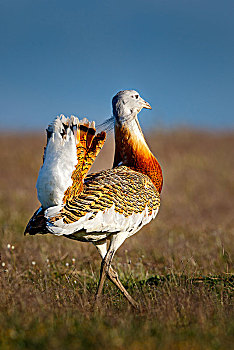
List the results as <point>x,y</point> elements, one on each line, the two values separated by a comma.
<point>179,268</point>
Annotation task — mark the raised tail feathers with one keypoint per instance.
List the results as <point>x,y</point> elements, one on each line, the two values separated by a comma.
<point>71,149</point>
<point>88,148</point>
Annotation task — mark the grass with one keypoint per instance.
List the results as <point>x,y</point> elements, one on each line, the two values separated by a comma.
<point>179,267</point>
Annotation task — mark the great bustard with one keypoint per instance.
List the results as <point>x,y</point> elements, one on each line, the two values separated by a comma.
<point>109,205</point>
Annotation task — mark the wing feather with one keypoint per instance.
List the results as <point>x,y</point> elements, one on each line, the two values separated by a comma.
<point>114,200</point>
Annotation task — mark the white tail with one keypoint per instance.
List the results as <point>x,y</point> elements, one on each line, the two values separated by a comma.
<point>60,159</point>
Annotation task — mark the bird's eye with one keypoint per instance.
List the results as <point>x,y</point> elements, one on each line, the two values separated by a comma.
<point>136,96</point>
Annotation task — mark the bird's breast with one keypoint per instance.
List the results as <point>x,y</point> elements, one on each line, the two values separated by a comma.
<point>132,150</point>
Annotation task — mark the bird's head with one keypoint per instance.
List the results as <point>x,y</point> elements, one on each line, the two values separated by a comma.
<point>128,103</point>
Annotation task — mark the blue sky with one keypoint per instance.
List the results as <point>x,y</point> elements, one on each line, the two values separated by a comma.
<point>71,57</point>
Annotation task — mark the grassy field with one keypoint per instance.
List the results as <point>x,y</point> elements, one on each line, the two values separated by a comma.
<point>179,267</point>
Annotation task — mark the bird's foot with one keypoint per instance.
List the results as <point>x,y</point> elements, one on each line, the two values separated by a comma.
<point>113,276</point>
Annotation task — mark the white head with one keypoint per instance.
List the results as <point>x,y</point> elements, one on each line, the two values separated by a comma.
<point>127,104</point>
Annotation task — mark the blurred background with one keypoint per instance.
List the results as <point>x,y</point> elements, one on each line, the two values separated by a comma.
<point>72,57</point>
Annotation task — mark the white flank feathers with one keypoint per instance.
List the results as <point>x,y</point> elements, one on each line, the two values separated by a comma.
<point>107,222</point>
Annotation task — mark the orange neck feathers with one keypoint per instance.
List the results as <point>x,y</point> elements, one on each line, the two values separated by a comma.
<point>132,150</point>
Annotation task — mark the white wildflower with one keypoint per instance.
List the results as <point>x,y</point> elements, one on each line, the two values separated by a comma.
<point>67,264</point>
<point>3,264</point>
<point>12,247</point>
<point>33,263</point>
<point>8,246</point>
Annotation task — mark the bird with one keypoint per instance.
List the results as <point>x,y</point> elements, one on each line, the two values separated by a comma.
<point>103,208</point>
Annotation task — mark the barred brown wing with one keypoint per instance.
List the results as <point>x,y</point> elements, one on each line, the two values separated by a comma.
<point>129,191</point>
<point>114,200</point>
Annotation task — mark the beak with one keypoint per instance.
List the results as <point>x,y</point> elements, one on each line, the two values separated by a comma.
<point>146,105</point>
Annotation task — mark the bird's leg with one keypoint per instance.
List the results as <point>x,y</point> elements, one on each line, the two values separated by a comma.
<point>101,279</point>
<point>113,276</point>
<point>107,270</point>
<point>104,271</point>
<point>102,249</point>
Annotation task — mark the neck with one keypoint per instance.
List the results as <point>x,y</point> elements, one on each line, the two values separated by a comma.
<point>132,150</point>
